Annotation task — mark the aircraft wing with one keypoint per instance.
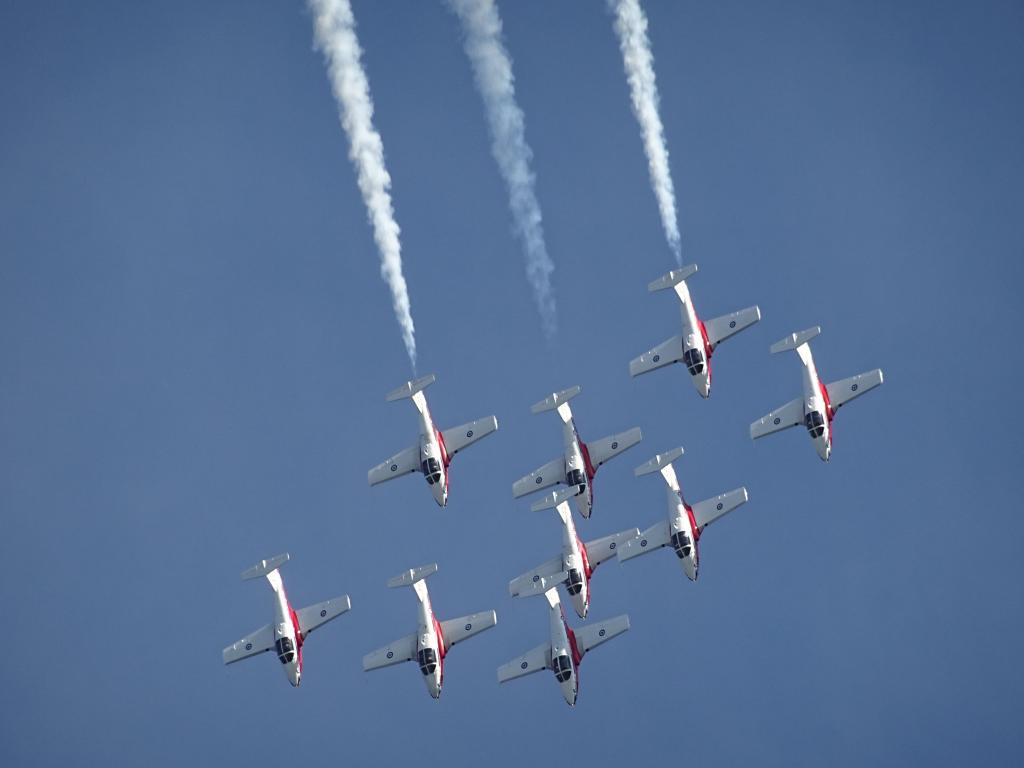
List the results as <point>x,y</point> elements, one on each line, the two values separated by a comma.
<point>532,661</point>
<point>592,635</point>
<point>840,392</point>
<point>653,538</point>
<point>403,649</point>
<point>317,615</point>
<point>550,474</point>
<point>721,328</point>
<point>524,583</point>
<point>256,642</point>
<point>457,438</point>
<point>788,415</point>
<point>666,353</point>
<point>609,447</point>
<point>456,630</point>
<point>400,464</point>
<point>707,511</point>
<point>600,550</point>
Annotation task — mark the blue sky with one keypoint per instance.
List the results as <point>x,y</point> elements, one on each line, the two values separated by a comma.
<point>196,344</point>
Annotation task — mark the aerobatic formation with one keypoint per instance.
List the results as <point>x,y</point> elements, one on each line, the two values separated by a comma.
<point>571,568</point>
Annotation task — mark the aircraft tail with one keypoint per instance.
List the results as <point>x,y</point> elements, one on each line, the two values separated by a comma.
<point>553,499</point>
<point>554,400</point>
<point>412,576</point>
<point>410,388</point>
<point>795,340</point>
<point>672,278</point>
<point>658,462</point>
<point>265,567</point>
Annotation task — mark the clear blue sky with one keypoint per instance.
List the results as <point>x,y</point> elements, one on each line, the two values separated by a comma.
<point>195,344</point>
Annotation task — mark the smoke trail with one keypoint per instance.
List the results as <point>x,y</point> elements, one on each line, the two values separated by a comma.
<point>492,69</point>
<point>631,27</point>
<point>335,33</point>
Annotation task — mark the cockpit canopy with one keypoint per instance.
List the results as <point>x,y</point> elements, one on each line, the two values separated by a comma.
<point>575,583</point>
<point>694,360</point>
<point>562,667</point>
<point>815,423</point>
<point>575,477</point>
<point>431,470</point>
<point>285,650</point>
<point>427,658</point>
<point>682,544</point>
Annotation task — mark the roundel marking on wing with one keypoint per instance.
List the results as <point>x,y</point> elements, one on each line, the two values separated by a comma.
<point>394,467</point>
<point>323,613</point>
<point>718,506</point>
<point>853,388</point>
<point>469,627</point>
<point>391,654</point>
<point>656,358</point>
<point>248,646</point>
<point>536,577</point>
<point>777,421</point>
<point>601,633</point>
<point>470,433</point>
<point>615,444</point>
<point>612,545</point>
<point>539,480</point>
<point>524,665</point>
<point>732,323</point>
<point>643,542</point>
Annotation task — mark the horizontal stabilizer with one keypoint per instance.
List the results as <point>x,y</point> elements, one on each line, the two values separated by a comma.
<point>525,582</point>
<point>457,438</point>
<point>658,462</point>
<point>532,661</point>
<point>263,567</point>
<point>783,417</point>
<point>404,463</point>
<point>721,328</point>
<point>456,630</point>
<point>552,500</point>
<point>609,447</point>
<point>592,635</point>
<point>410,577</point>
<point>707,511</point>
<point>410,388</point>
<point>794,340</point>
<point>673,278</point>
<point>315,616</point>
<point>666,353</point>
<point>542,585</point>
<point>550,474</point>
<point>844,391</point>
<point>552,401</point>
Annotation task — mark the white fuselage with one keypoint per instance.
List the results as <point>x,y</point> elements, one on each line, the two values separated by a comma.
<point>430,650</point>
<point>287,637</point>
<point>433,456</point>
<point>576,564</point>
<point>683,533</point>
<point>565,658</point>
<point>696,349</point>
<point>817,409</point>
<point>579,472</point>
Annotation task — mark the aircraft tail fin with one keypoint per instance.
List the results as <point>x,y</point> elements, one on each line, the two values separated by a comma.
<point>555,399</point>
<point>672,278</point>
<point>795,340</point>
<point>658,462</point>
<point>412,576</point>
<point>265,567</point>
<point>410,388</point>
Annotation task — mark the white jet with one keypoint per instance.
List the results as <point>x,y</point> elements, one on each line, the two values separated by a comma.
<point>435,449</point>
<point>818,406</point>
<point>290,628</point>
<point>685,524</point>
<point>699,338</point>
<point>577,561</point>
<point>566,647</point>
<point>579,462</point>
<point>431,642</point>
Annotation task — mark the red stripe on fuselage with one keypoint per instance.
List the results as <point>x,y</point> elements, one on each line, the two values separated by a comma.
<point>441,649</point>
<point>298,635</point>
<point>829,413</point>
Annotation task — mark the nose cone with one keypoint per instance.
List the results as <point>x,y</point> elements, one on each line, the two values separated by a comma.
<point>581,604</point>
<point>824,448</point>
<point>440,494</point>
<point>704,387</point>
<point>690,567</point>
<point>294,675</point>
<point>569,691</point>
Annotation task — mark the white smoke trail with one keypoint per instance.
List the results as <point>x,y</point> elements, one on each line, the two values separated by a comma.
<point>335,33</point>
<point>492,69</point>
<point>631,27</point>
